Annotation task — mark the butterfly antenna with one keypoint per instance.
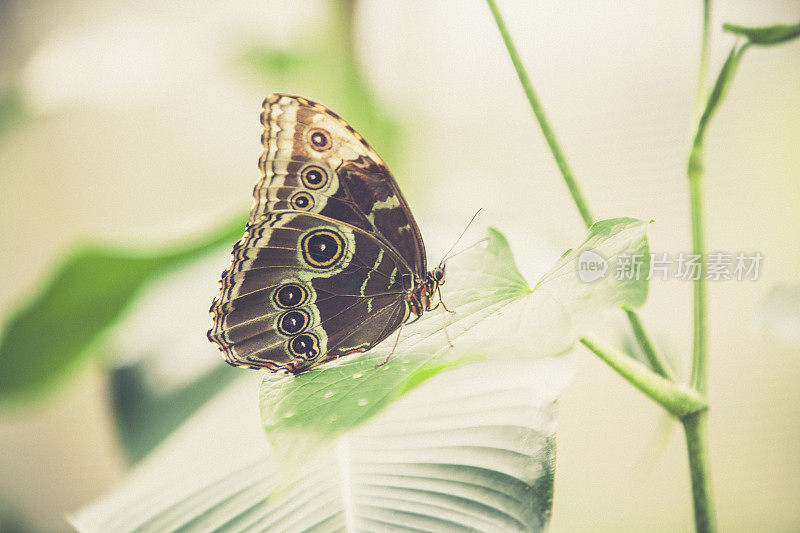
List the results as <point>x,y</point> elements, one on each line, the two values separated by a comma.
<point>470,247</point>
<point>445,258</point>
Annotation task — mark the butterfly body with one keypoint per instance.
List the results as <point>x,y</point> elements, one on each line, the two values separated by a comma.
<point>419,299</point>
<point>331,261</point>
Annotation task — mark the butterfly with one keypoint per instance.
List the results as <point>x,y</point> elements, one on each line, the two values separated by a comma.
<point>331,261</point>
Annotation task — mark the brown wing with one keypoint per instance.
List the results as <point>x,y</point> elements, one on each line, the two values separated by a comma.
<point>302,289</point>
<point>315,161</point>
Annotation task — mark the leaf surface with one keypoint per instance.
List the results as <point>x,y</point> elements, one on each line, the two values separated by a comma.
<point>496,315</point>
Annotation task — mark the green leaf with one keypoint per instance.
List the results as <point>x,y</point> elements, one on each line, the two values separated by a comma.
<point>766,36</point>
<point>721,86</point>
<point>496,315</point>
<point>471,449</point>
<point>621,243</point>
<point>88,293</point>
<point>12,110</point>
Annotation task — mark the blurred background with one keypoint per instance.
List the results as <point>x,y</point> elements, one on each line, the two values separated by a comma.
<point>136,124</point>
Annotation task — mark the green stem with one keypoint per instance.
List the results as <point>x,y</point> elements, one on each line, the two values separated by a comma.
<point>685,404</point>
<point>549,136</point>
<point>678,400</point>
<point>694,427</point>
<point>577,196</point>
<point>699,376</point>
<point>657,363</point>
<point>345,11</point>
<point>705,49</point>
<point>658,384</point>
<point>699,379</point>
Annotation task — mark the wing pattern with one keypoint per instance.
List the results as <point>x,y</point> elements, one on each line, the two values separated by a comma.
<point>330,251</point>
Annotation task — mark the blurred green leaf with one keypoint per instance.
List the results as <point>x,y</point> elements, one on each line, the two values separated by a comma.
<point>496,314</point>
<point>144,417</point>
<point>90,290</point>
<point>12,110</point>
<point>766,36</point>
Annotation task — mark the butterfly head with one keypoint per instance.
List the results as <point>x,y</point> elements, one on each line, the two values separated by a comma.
<point>437,274</point>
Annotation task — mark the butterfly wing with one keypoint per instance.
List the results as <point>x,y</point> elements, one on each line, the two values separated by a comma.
<point>303,289</point>
<point>316,162</point>
<point>330,251</point>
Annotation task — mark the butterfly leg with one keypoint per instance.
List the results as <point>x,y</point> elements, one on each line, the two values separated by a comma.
<point>444,327</point>
<point>415,319</point>
<point>396,340</point>
<point>439,290</point>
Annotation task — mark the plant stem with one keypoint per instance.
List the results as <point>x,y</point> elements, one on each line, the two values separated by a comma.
<point>657,363</point>
<point>345,11</point>
<point>544,124</point>
<point>699,379</point>
<point>705,49</point>
<point>694,427</point>
<point>699,376</point>
<point>685,404</point>
<point>676,399</point>
<point>577,196</point>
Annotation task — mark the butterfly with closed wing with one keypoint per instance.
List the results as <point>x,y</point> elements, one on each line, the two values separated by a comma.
<point>331,261</point>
